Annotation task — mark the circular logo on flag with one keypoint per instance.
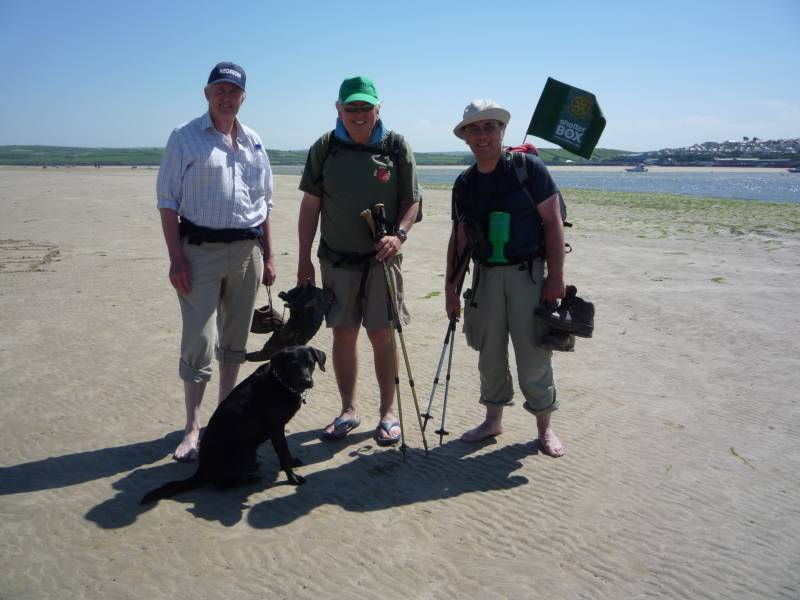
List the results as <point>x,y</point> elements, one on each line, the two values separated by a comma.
<point>581,106</point>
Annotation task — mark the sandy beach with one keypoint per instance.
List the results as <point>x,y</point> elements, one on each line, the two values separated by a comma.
<point>680,416</point>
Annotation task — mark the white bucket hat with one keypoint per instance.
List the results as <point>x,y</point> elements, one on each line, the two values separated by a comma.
<point>481,110</point>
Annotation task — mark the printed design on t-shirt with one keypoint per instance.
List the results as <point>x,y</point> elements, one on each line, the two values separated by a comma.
<point>383,168</point>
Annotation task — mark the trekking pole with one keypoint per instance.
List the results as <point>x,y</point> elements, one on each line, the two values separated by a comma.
<point>451,326</point>
<point>379,208</point>
<point>442,431</point>
<point>393,316</point>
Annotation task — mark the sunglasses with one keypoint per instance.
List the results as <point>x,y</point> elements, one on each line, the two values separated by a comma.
<point>487,128</point>
<point>357,108</point>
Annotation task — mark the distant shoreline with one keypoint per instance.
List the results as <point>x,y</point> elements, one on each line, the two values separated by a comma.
<point>456,168</point>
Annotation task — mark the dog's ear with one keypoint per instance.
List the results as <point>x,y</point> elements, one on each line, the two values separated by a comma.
<point>319,356</point>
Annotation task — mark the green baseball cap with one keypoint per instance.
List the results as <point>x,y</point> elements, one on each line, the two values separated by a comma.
<point>358,89</point>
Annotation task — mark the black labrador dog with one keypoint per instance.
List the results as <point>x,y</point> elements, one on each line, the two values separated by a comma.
<point>256,410</point>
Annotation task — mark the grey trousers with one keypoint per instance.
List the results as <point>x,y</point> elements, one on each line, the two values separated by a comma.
<point>505,298</point>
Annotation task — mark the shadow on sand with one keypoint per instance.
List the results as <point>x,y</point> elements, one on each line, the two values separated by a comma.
<point>81,467</point>
<point>374,480</point>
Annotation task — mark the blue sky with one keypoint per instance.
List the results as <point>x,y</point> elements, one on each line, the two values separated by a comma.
<point>666,74</point>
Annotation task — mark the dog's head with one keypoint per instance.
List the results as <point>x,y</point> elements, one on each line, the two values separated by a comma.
<point>295,365</point>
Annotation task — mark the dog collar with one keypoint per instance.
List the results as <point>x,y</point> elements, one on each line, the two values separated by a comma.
<point>288,387</point>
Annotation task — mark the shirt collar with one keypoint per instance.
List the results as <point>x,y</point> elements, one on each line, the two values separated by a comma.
<point>206,123</point>
<point>377,132</point>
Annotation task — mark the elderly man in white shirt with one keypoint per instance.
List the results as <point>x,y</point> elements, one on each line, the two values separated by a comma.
<point>214,193</point>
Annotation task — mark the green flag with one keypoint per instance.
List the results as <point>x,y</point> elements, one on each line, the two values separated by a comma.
<point>568,117</point>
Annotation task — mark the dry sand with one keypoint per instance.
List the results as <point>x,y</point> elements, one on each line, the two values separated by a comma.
<point>680,415</point>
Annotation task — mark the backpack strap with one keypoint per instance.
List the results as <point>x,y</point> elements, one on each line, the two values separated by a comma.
<point>521,171</point>
<point>391,144</point>
<point>329,149</point>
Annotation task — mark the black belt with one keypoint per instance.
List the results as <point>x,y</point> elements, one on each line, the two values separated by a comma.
<point>200,235</point>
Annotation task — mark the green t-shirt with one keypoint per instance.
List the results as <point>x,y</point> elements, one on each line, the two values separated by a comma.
<point>350,181</point>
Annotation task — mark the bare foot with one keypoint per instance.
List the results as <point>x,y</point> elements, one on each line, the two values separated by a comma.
<point>187,449</point>
<point>482,432</point>
<point>550,444</point>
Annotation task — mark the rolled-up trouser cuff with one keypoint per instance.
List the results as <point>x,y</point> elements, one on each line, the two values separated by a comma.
<point>509,402</point>
<point>192,375</point>
<point>549,405</point>
<point>234,357</point>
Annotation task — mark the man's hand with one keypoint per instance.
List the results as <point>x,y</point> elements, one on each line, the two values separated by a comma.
<point>554,287</point>
<point>452,303</point>
<point>269,272</point>
<point>180,275</point>
<point>387,247</point>
<point>305,273</point>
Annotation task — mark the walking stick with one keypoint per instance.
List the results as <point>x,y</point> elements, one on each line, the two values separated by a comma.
<point>442,431</point>
<point>451,327</point>
<point>395,317</point>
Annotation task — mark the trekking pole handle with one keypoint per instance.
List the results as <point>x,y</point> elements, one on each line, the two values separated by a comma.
<point>366,214</point>
<point>380,209</point>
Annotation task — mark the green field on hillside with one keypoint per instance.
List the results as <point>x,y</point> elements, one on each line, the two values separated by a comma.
<point>66,156</point>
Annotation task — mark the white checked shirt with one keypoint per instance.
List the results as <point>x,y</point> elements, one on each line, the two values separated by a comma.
<point>211,184</point>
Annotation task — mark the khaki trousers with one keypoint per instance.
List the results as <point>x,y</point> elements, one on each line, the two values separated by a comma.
<point>505,299</point>
<point>218,311</point>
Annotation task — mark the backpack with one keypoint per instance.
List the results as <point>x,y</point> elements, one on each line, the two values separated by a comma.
<point>392,145</point>
<point>517,159</point>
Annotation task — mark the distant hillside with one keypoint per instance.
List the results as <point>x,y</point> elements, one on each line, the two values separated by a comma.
<point>747,152</point>
<point>66,156</point>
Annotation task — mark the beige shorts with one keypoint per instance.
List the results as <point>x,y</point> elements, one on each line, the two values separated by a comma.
<point>348,310</point>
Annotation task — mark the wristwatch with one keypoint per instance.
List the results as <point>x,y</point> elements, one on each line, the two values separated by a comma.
<point>401,234</point>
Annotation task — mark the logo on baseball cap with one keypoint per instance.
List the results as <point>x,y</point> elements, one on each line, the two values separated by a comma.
<point>228,72</point>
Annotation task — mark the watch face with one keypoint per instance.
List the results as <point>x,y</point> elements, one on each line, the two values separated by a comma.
<point>401,233</point>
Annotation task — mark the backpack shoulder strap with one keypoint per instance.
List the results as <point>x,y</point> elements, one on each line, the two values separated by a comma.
<point>521,171</point>
<point>329,148</point>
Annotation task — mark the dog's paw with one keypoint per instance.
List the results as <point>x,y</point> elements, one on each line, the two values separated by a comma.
<point>295,479</point>
<point>296,462</point>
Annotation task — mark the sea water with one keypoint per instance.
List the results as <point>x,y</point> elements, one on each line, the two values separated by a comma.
<point>767,186</point>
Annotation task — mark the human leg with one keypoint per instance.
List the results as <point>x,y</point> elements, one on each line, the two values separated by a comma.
<point>485,328</point>
<point>382,304</point>
<point>193,396</point>
<point>228,372</point>
<point>237,300</point>
<point>385,360</point>
<point>491,426</point>
<point>534,363</point>
<point>197,339</point>
<point>550,444</point>
<point>345,368</point>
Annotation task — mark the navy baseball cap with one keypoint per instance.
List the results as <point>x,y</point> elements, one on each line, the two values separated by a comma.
<point>228,72</point>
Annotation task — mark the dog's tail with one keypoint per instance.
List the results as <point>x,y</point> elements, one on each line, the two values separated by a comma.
<point>173,487</point>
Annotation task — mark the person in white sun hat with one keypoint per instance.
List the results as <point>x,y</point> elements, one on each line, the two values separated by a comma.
<point>511,226</point>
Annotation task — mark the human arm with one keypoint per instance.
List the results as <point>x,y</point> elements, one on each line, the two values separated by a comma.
<point>307,224</point>
<point>409,205</point>
<point>269,256</point>
<point>389,245</point>
<point>455,260</point>
<point>180,273</point>
<point>550,213</point>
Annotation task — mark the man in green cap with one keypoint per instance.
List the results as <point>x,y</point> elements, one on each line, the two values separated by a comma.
<point>348,170</point>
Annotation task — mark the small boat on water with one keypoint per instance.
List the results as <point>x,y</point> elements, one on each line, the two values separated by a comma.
<point>794,170</point>
<point>640,168</point>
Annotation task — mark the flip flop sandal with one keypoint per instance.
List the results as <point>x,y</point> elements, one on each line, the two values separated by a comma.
<point>349,425</point>
<point>387,427</point>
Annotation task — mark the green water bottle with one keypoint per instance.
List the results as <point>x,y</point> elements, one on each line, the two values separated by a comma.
<point>499,227</point>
